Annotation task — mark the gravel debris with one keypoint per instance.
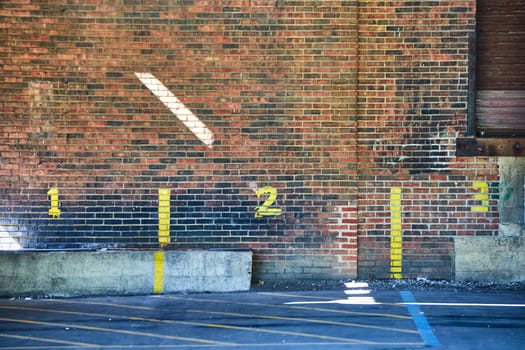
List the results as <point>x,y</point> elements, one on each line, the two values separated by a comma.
<point>419,284</point>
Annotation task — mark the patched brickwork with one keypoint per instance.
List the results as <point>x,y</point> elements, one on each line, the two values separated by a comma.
<point>331,103</point>
<point>413,87</point>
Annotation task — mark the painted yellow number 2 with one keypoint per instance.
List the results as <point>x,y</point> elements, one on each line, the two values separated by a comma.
<point>264,209</point>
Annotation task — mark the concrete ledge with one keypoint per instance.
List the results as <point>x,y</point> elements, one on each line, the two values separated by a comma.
<point>82,273</point>
<point>490,259</point>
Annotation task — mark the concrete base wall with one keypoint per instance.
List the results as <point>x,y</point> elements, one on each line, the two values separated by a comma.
<point>511,202</point>
<point>81,273</point>
<point>490,259</point>
<point>501,258</point>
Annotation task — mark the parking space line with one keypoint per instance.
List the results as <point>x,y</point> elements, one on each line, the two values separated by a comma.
<point>125,306</point>
<point>357,313</point>
<point>422,325</point>
<point>295,335</point>
<point>307,320</point>
<point>103,329</point>
<point>129,318</point>
<point>211,325</point>
<point>281,306</point>
<point>273,345</point>
<point>48,340</point>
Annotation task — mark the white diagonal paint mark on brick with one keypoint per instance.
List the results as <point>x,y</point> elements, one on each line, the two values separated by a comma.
<point>196,126</point>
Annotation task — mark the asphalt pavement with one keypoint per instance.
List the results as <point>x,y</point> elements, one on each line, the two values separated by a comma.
<point>352,317</point>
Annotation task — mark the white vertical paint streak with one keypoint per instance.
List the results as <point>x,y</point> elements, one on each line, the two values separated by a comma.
<point>189,119</point>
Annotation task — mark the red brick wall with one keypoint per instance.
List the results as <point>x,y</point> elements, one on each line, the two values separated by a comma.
<point>412,104</point>
<point>330,102</point>
<point>275,81</point>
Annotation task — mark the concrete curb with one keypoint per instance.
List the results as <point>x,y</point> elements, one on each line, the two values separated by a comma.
<point>84,273</point>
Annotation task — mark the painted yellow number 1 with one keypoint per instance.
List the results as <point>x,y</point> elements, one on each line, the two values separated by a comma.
<point>264,209</point>
<point>53,194</point>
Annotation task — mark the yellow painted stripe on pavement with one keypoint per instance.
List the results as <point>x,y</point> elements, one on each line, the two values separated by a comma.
<point>327,344</point>
<point>297,334</point>
<point>48,340</point>
<point>102,329</point>
<point>158,272</point>
<point>335,311</point>
<point>124,306</point>
<point>200,324</point>
<point>308,320</point>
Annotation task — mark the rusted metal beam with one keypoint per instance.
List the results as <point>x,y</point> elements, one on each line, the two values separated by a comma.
<point>491,147</point>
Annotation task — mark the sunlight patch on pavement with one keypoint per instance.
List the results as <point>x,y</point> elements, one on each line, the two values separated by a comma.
<point>358,296</point>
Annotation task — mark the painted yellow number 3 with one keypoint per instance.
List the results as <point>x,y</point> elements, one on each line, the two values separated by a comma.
<point>482,196</point>
<point>264,209</point>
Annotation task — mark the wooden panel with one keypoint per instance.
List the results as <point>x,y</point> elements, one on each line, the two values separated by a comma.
<point>500,68</point>
<point>500,45</point>
<point>500,113</point>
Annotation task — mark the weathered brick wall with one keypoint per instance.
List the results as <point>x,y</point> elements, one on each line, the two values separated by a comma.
<point>274,81</point>
<point>332,103</point>
<point>412,102</point>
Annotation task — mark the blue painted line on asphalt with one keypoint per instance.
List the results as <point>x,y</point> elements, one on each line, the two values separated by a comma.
<point>422,325</point>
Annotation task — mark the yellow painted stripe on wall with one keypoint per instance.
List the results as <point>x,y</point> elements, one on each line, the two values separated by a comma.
<point>164,216</point>
<point>158,272</point>
<point>396,234</point>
